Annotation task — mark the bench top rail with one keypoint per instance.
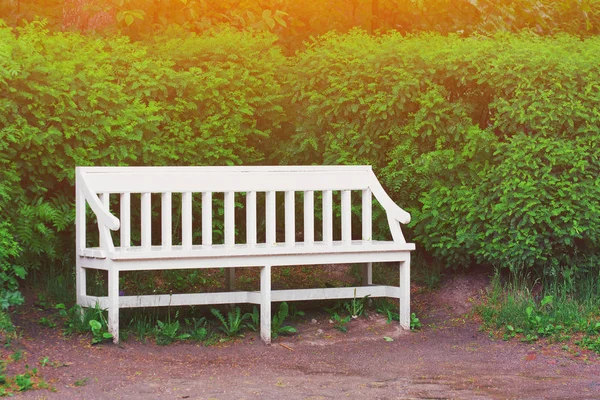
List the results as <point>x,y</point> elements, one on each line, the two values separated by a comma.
<point>225,179</point>
<point>95,184</point>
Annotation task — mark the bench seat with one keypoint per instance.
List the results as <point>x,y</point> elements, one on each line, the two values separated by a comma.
<point>221,251</point>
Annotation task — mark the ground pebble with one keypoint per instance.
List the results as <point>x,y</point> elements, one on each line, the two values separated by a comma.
<point>313,321</point>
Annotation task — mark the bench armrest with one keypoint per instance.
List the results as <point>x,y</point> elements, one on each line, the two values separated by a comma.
<point>395,214</point>
<point>391,208</point>
<point>102,213</point>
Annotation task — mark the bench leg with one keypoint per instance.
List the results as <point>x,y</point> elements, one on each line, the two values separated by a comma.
<point>80,283</point>
<point>367,274</point>
<point>405,294</point>
<point>113,303</point>
<point>230,279</point>
<point>265,304</point>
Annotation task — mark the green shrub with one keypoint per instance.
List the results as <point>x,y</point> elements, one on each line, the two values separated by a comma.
<point>69,100</point>
<point>490,142</point>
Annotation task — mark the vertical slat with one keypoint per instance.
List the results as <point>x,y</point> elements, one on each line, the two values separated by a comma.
<point>367,215</point>
<point>186,219</point>
<point>207,218</point>
<point>125,220</point>
<point>270,218</point>
<point>346,216</point>
<point>290,218</point>
<point>146,220</point>
<point>105,199</point>
<point>251,218</point>
<point>167,219</point>
<point>229,218</point>
<point>80,225</point>
<point>309,216</point>
<point>327,216</point>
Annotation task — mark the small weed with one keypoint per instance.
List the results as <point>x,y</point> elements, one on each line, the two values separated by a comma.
<point>17,355</point>
<point>23,381</point>
<point>44,321</point>
<point>81,382</point>
<point>590,343</point>
<point>198,331</point>
<point>277,327</point>
<point>166,332</point>
<point>356,307</point>
<point>99,331</point>
<point>233,325</point>
<point>142,327</point>
<point>339,323</point>
<point>384,307</point>
<point>254,317</point>
<point>414,322</point>
<point>294,313</point>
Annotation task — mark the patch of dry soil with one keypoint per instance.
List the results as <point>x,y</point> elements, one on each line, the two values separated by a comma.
<point>448,359</point>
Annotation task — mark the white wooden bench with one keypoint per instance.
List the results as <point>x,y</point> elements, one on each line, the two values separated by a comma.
<point>111,189</point>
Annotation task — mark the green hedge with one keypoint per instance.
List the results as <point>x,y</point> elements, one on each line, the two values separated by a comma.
<point>491,143</point>
<point>68,100</point>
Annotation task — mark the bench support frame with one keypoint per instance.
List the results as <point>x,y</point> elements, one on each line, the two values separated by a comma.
<point>96,185</point>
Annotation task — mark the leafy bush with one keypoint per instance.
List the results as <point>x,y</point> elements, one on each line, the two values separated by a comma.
<point>490,142</point>
<point>70,100</point>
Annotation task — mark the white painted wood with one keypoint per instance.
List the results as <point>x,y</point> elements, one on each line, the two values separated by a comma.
<point>207,218</point>
<point>251,219</point>
<point>405,294</point>
<point>367,214</point>
<point>395,230</point>
<point>270,218</point>
<point>367,274</point>
<point>80,209</point>
<point>197,299</point>
<point>105,200</point>
<point>327,216</point>
<point>146,212</point>
<point>81,281</point>
<point>125,220</point>
<point>206,258</point>
<point>103,215</point>
<point>224,179</point>
<point>346,216</point>
<point>333,293</point>
<point>290,218</point>
<point>229,200</point>
<point>106,241</point>
<point>167,220</point>
<point>391,209</point>
<point>309,217</point>
<point>265,304</point>
<point>229,180</point>
<point>186,220</point>
<point>113,303</point>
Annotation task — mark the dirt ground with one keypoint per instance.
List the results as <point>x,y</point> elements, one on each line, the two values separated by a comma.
<point>447,359</point>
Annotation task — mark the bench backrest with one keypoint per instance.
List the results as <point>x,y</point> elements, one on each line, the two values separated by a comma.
<point>95,185</point>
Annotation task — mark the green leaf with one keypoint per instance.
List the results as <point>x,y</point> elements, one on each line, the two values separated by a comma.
<point>129,19</point>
